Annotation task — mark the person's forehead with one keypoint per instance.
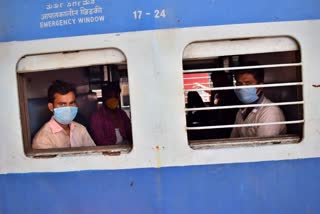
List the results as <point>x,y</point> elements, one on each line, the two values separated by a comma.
<point>70,96</point>
<point>111,93</point>
<point>246,77</point>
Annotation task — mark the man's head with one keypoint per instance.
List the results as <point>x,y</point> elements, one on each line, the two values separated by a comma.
<point>220,79</point>
<point>194,100</point>
<point>249,77</point>
<point>111,95</point>
<point>62,101</point>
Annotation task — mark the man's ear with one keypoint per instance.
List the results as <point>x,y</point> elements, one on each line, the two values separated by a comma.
<point>50,106</point>
<point>259,90</point>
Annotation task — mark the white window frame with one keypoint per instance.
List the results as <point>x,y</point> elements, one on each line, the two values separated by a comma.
<point>214,49</point>
<point>57,61</point>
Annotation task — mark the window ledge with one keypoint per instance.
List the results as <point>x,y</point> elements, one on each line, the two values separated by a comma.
<point>112,150</point>
<point>249,141</point>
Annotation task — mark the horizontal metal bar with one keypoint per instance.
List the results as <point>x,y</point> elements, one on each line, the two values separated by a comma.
<point>247,86</point>
<point>244,125</point>
<point>204,84</point>
<point>199,82</point>
<point>245,106</point>
<point>193,78</point>
<point>242,68</point>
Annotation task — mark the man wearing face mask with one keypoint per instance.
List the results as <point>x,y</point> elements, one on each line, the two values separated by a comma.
<point>265,114</point>
<point>110,125</point>
<point>61,131</point>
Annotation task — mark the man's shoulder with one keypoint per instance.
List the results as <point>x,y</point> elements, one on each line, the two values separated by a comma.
<point>122,112</point>
<point>78,125</point>
<point>269,108</point>
<point>273,110</point>
<point>266,100</point>
<point>98,113</point>
<point>45,129</point>
<point>43,135</point>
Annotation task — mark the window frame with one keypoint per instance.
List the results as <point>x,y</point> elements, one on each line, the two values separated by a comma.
<point>199,51</point>
<point>58,61</point>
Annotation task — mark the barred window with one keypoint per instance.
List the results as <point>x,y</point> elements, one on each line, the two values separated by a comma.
<point>243,92</point>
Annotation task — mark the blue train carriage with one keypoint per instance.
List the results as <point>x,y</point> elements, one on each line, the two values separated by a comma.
<point>151,48</point>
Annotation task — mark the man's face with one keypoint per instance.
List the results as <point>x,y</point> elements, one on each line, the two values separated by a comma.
<point>65,100</point>
<point>247,79</point>
<point>112,100</point>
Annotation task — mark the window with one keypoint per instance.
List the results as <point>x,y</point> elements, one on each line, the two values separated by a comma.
<point>89,72</point>
<point>215,69</point>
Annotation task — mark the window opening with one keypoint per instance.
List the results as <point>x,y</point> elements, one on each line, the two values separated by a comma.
<point>211,121</point>
<point>89,79</point>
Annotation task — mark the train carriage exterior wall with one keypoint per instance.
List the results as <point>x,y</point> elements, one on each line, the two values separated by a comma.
<point>161,174</point>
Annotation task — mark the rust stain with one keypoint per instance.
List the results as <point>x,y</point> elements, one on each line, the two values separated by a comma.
<point>111,153</point>
<point>158,161</point>
<point>316,86</point>
<point>45,156</point>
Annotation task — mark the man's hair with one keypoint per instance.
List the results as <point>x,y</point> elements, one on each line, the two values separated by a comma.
<point>257,73</point>
<point>194,100</point>
<point>221,79</point>
<point>60,87</point>
<point>110,87</point>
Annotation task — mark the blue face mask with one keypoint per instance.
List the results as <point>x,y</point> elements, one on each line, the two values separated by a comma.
<point>247,95</point>
<point>65,115</point>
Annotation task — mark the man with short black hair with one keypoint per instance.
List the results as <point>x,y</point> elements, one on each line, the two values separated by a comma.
<point>264,114</point>
<point>61,131</point>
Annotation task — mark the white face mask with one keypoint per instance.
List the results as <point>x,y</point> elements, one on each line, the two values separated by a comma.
<point>65,115</point>
<point>247,95</point>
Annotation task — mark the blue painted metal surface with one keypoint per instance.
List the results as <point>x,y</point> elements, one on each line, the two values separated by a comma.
<point>265,187</point>
<point>25,20</point>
